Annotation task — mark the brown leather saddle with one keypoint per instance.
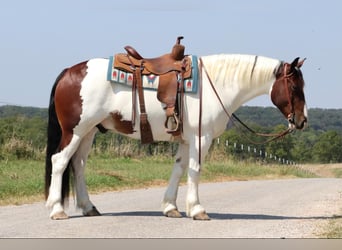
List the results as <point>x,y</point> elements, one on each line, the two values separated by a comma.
<point>172,69</point>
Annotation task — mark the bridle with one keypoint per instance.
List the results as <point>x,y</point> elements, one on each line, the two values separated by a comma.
<point>286,78</point>
<point>290,116</point>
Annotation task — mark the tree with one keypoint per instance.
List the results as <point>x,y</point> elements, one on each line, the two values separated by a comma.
<point>281,148</point>
<point>328,148</point>
<point>303,141</point>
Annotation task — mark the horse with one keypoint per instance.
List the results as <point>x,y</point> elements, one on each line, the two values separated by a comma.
<point>83,101</point>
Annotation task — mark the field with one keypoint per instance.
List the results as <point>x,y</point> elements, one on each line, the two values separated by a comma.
<point>22,181</point>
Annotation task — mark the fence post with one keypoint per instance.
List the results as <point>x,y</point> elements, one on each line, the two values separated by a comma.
<point>262,154</point>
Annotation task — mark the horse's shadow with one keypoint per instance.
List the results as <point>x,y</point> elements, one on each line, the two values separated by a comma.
<point>220,216</point>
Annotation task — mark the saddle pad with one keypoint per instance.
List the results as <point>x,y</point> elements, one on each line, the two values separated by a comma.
<point>151,82</point>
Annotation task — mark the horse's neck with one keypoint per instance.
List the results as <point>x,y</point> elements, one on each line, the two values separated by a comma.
<point>240,78</point>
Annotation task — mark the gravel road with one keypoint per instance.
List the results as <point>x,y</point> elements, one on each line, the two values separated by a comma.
<point>289,208</point>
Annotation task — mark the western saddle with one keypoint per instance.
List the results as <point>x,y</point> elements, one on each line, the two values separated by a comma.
<point>172,69</point>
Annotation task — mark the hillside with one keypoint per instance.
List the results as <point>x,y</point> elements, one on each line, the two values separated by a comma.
<point>29,112</point>
<point>319,119</point>
<point>23,136</point>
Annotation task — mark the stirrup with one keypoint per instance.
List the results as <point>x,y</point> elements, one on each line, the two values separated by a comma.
<point>174,124</point>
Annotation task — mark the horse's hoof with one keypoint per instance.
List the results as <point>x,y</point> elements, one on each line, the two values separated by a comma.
<point>60,216</point>
<point>201,216</point>
<point>174,213</point>
<point>92,212</point>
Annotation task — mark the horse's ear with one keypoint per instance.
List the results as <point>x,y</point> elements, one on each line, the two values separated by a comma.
<point>294,64</point>
<point>297,64</point>
<point>300,63</point>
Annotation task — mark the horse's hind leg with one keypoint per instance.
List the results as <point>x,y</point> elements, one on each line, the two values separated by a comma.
<point>79,163</point>
<point>60,162</point>
<point>169,202</point>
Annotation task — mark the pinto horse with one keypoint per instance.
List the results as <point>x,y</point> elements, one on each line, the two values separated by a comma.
<point>83,102</point>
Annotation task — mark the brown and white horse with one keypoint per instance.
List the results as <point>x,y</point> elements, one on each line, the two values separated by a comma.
<point>82,101</point>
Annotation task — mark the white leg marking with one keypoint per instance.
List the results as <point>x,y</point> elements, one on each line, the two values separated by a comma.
<point>59,164</point>
<point>193,206</point>
<point>79,164</point>
<point>181,164</point>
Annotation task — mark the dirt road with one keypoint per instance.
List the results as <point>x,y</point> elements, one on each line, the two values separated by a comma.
<point>291,208</point>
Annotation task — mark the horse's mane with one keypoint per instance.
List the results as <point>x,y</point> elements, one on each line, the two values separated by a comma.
<point>248,69</point>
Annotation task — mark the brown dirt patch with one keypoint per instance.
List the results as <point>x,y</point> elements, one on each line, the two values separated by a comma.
<point>323,170</point>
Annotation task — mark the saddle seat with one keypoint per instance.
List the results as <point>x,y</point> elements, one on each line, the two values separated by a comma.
<point>161,65</point>
<point>171,68</point>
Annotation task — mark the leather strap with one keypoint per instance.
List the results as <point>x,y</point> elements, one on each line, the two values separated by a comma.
<point>137,77</point>
<point>286,78</point>
<point>134,99</point>
<point>181,90</point>
<point>145,127</point>
<point>200,113</point>
<point>230,116</point>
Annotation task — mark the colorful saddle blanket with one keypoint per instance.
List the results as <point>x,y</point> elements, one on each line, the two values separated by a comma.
<point>152,81</point>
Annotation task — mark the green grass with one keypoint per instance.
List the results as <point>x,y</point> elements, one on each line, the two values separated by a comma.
<point>246,171</point>
<point>111,174</point>
<point>338,172</point>
<point>22,181</point>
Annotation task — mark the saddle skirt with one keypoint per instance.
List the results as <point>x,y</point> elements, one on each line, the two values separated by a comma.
<point>151,81</point>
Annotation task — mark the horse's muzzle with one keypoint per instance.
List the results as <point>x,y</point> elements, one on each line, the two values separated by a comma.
<point>297,123</point>
<point>302,123</point>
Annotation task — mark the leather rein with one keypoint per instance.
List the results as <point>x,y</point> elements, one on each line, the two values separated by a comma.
<point>231,116</point>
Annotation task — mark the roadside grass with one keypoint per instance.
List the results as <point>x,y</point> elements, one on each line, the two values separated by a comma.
<point>338,172</point>
<point>242,170</point>
<point>22,181</point>
<point>334,228</point>
<point>107,174</point>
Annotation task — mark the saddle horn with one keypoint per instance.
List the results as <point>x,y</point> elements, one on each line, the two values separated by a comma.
<point>178,49</point>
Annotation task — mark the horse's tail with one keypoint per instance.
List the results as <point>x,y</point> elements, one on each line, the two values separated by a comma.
<point>54,135</point>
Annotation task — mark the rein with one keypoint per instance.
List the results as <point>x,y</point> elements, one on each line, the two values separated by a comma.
<point>230,116</point>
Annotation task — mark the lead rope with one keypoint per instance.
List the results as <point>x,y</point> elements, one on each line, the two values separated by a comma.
<point>275,136</point>
<point>200,114</point>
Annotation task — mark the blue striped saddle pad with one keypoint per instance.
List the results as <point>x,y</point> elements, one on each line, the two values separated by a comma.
<point>151,82</point>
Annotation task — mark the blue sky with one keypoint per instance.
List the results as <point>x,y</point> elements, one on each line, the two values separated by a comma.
<point>40,38</point>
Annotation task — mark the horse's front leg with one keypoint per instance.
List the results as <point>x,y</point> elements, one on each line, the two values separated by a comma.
<point>169,202</point>
<point>193,207</point>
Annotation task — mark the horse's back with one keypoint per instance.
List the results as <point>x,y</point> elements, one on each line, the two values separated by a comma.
<point>102,98</point>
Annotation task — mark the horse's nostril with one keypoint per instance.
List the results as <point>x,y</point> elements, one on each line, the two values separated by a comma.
<point>302,124</point>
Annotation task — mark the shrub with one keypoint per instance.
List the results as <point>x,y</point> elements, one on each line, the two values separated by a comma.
<point>15,148</point>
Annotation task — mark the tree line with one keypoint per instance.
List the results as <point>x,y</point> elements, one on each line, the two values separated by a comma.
<point>23,136</point>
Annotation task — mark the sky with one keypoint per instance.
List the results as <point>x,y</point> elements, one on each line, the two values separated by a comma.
<point>40,38</point>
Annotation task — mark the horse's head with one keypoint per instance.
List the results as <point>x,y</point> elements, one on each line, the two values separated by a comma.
<point>288,93</point>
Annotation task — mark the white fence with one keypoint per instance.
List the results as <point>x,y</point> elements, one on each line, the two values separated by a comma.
<point>255,152</point>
